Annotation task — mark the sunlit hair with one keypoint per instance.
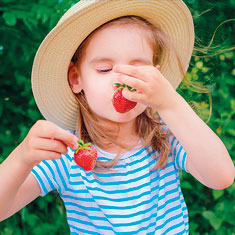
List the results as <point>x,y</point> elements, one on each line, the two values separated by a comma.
<point>148,124</point>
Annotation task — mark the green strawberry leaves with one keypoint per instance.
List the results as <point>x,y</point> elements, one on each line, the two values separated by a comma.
<point>82,145</point>
<point>122,86</point>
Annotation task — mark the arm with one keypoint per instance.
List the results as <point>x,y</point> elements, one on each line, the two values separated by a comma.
<point>44,141</point>
<point>208,159</point>
<point>18,188</point>
<point>27,192</point>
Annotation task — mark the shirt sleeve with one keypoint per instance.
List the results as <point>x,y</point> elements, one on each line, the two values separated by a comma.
<point>53,174</point>
<point>178,153</point>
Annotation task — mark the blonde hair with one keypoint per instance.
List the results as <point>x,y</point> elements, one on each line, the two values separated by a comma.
<point>148,124</point>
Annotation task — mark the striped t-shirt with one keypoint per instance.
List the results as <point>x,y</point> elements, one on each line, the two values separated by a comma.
<point>131,199</point>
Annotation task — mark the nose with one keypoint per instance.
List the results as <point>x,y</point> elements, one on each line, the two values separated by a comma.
<point>115,79</point>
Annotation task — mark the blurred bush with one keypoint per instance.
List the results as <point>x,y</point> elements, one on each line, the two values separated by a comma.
<point>24,24</point>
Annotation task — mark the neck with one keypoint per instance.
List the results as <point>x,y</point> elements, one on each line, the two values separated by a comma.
<point>126,135</point>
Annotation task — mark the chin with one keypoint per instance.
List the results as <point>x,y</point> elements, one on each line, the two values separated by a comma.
<point>126,117</point>
<point>114,116</point>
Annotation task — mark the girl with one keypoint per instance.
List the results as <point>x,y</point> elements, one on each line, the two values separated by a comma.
<point>134,188</point>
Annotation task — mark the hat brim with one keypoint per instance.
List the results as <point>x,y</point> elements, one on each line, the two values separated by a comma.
<point>51,90</point>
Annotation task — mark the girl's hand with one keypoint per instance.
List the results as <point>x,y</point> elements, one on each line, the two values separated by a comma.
<point>153,89</point>
<point>45,141</point>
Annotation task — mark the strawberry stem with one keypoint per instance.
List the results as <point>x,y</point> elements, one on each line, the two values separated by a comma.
<point>122,86</point>
<point>82,145</point>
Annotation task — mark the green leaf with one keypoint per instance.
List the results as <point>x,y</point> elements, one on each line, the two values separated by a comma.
<point>131,88</point>
<point>217,194</point>
<point>32,219</point>
<point>231,131</point>
<point>199,64</point>
<point>193,227</point>
<point>231,189</point>
<point>186,185</point>
<point>1,107</point>
<point>9,18</point>
<point>214,221</point>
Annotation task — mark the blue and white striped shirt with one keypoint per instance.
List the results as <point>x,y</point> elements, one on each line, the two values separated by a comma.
<point>130,200</point>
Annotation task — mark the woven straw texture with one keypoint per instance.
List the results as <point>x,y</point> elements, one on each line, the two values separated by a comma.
<point>50,86</point>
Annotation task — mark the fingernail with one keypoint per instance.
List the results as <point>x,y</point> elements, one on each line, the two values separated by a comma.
<point>115,68</point>
<point>75,142</point>
<point>75,146</point>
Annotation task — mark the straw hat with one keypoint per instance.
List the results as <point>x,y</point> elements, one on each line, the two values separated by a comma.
<point>50,86</point>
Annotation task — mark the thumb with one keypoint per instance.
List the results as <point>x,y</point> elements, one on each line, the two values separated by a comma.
<point>128,94</point>
<point>72,142</point>
<point>68,138</point>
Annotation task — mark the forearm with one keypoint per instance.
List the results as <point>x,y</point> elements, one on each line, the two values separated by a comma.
<point>13,173</point>
<point>45,141</point>
<point>205,150</point>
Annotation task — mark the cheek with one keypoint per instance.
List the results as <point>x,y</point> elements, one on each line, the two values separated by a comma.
<point>98,93</point>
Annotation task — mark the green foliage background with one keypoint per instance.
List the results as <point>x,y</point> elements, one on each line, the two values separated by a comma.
<point>24,24</point>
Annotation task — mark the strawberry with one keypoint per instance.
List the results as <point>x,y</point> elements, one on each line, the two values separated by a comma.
<point>120,103</point>
<point>85,155</point>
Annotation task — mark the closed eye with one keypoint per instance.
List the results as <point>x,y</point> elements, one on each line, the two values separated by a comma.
<point>103,70</point>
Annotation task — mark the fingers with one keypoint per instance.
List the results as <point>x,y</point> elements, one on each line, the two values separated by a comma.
<point>50,145</point>
<point>131,70</point>
<point>133,96</point>
<point>37,149</point>
<point>145,79</point>
<point>40,155</point>
<point>47,129</point>
<point>46,141</point>
<point>141,78</point>
<point>139,85</point>
<point>140,72</point>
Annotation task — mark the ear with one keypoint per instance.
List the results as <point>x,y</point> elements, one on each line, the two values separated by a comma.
<point>158,67</point>
<point>74,78</point>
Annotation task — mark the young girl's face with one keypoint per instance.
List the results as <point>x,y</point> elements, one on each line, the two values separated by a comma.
<point>110,46</point>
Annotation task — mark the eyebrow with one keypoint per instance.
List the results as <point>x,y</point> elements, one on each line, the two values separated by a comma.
<point>106,59</point>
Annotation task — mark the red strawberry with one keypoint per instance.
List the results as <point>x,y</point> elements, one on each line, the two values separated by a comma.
<point>85,155</point>
<point>120,103</point>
